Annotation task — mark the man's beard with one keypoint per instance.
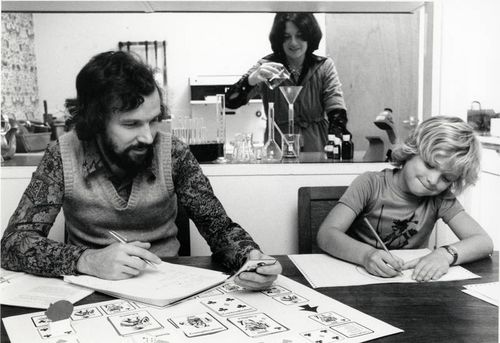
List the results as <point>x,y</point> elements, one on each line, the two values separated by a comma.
<point>124,159</point>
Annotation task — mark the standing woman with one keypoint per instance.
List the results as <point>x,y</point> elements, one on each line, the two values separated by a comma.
<point>294,37</point>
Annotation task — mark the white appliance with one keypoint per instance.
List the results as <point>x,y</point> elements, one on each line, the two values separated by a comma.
<point>249,118</point>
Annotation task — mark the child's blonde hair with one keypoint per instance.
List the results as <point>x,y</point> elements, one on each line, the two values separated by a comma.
<point>448,137</point>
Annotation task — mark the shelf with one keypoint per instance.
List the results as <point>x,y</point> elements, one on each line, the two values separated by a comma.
<point>212,6</point>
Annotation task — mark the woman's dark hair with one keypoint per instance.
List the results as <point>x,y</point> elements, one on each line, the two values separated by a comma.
<point>113,81</point>
<point>305,22</point>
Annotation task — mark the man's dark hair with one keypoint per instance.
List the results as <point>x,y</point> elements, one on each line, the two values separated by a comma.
<point>305,22</point>
<point>111,81</point>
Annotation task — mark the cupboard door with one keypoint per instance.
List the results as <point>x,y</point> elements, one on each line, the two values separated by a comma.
<point>376,56</point>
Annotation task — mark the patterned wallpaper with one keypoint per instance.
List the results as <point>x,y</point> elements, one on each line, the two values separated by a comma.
<point>19,73</point>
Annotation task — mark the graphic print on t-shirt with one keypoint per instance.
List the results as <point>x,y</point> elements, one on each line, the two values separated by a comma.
<point>403,230</point>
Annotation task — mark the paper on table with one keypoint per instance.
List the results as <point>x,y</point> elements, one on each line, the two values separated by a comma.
<point>322,270</point>
<point>484,291</point>
<point>162,286</point>
<point>308,315</point>
<point>6,277</point>
<point>21,289</point>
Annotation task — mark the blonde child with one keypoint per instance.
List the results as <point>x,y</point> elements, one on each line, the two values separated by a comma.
<point>437,161</point>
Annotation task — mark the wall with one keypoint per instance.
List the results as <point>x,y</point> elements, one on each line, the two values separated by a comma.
<point>197,44</point>
<point>19,76</point>
<point>467,35</point>
<point>377,61</point>
<point>466,68</point>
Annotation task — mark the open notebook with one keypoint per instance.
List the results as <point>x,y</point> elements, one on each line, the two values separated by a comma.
<point>323,270</point>
<point>165,285</point>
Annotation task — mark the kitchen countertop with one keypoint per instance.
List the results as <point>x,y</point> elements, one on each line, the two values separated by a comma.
<point>490,142</point>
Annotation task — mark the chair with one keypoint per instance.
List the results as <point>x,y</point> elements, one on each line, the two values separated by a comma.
<point>314,205</point>
<point>182,222</point>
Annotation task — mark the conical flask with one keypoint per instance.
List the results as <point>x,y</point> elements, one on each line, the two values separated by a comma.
<point>271,150</point>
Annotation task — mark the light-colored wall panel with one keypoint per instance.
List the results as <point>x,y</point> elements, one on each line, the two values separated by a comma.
<point>377,60</point>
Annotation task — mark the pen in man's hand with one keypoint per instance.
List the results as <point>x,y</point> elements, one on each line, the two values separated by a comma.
<point>379,240</point>
<point>124,241</point>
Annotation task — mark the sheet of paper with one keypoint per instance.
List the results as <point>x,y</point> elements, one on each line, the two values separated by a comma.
<point>484,291</point>
<point>168,281</point>
<point>21,289</point>
<point>322,270</point>
<point>7,277</point>
<point>287,312</point>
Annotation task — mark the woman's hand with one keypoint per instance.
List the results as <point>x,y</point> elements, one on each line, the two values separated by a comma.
<point>380,263</point>
<point>429,267</point>
<point>264,72</point>
<point>263,277</point>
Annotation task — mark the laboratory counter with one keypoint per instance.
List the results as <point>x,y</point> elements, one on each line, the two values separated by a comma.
<point>34,158</point>
<point>261,197</point>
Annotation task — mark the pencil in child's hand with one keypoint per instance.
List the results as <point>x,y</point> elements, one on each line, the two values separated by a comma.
<point>379,240</point>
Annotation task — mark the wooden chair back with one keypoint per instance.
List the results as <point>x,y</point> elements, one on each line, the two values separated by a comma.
<point>183,235</point>
<point>314,205</point>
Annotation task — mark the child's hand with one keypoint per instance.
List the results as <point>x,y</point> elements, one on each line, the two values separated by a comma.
<point>429,267</point>
<point>380,263</point>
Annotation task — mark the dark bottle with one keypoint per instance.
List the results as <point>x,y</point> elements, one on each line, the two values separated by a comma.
<point>347,148</point>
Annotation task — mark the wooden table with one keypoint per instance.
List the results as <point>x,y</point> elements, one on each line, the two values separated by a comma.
<point>427,312</point>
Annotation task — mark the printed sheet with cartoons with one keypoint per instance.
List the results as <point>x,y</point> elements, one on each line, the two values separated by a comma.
<point>288,312</point>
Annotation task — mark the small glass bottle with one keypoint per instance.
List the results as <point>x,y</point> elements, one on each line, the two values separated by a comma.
<point>332,148</point>
<point>347,148</point>
<point>337,148</point>
<point>329,147</point>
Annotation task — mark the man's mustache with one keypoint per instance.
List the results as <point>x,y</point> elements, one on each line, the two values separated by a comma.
<point>140,146</point>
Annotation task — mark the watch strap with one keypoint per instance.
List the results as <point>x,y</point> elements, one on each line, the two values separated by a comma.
<point>453,252</point>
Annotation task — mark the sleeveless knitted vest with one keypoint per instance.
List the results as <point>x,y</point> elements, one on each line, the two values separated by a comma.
<point>92,206</point>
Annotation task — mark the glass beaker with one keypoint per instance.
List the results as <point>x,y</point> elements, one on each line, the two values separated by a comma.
<point>276,79</point>
<point>290,93</point>
<point>243,148</point>
<point>271,150</point>
<point>220,109</point>
<point>290,144</point>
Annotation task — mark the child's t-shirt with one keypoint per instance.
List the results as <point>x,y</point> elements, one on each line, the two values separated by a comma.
<point>401,220</point>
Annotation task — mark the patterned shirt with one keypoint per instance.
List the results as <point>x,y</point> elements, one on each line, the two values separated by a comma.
<point>25,246</point>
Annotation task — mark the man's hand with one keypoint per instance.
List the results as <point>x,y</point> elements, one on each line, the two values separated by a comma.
<point>263,277</point>
<point>117,261</point>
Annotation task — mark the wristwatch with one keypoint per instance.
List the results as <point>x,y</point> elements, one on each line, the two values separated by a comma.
<point>452,251</point>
